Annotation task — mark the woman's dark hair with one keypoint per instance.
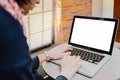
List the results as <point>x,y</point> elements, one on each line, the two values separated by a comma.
<point>21,2</point>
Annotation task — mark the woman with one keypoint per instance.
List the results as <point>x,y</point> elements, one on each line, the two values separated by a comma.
<point>15,60</point>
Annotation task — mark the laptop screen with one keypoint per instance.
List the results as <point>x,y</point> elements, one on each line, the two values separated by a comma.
<point>96,33</point>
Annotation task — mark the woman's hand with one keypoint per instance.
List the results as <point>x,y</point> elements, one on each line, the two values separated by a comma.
<point>55,53</point>
<point>70,65</point>
<point>58,52</point>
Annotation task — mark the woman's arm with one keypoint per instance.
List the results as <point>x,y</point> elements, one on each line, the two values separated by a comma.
<point>38,60</point>
<point>35,63</point>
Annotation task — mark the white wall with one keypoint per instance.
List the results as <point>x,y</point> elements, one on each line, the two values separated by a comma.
<point>97,8</point>
<point>103,8</point>
<point>108,8</point>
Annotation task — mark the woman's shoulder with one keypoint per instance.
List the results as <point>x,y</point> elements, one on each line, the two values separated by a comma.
<point>7,18</point>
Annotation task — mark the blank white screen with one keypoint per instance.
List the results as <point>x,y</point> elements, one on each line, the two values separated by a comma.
<point>93,33</point>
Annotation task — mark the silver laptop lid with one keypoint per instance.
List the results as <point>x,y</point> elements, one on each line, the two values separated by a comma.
<point>93,33</point>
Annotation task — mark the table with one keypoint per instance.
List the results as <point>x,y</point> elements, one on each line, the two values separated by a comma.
<point>110,71</point>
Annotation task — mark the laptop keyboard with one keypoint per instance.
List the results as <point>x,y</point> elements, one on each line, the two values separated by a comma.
<point>87,56</point>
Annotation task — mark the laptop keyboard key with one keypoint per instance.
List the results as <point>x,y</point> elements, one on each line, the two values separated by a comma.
<point>87,56</point>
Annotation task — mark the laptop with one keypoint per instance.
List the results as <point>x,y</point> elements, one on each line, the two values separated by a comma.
<point>92,38</point>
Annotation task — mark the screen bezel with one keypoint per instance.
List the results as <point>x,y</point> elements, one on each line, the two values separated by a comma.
<point>95,18</point>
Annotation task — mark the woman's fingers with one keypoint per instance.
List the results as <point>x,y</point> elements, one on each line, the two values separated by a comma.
<point>68,53</point>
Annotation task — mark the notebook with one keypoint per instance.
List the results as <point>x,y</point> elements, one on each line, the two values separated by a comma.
<point>92,38</point>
